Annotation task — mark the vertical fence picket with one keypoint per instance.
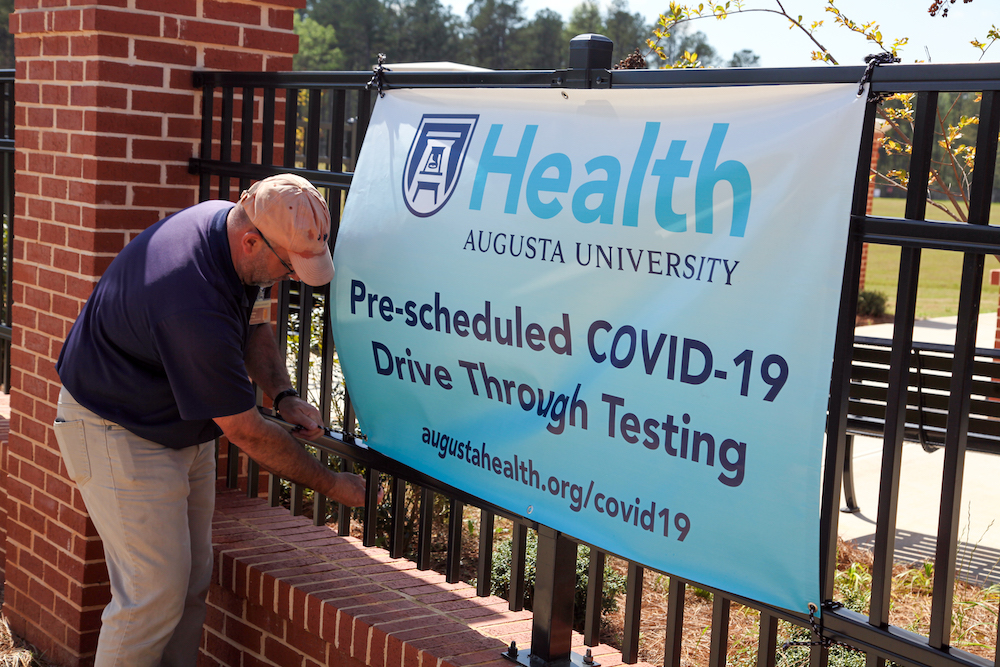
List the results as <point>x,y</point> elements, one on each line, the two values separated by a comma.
<point>233,469</point>
<point>675,623</point>
<point>314,114</point>
<point>484,566</point>
<point>518,550</point>
<point>296,496</point>
<point>246,132</point>
<point>370,512</point>
<point>253,478</point>
<point>343,511</point>
<point>452,571</point>
<point>273,490</point>
<point>207,122</point>
<point>633,607</point>
<point>767,640</point>
<point>319,501</point>
<point>361,125</point>
<point>595,598</point>
<point>398,515</point>
<point>291,126</point>
<point>719,643</point>
<point>424,528</point>
<point>226,138</point>
<point>327,359</point>
<point>267,123</point>
<point>302,357</point>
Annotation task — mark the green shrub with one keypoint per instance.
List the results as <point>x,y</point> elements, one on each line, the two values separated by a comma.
<point>871,303</point>
<point>855,587</point>
<point>614,582</point>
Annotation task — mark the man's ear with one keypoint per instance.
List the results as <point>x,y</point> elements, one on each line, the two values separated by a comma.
<point>250,242</point>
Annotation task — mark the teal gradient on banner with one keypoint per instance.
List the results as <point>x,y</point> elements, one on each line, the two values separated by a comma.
<point>612,312</point>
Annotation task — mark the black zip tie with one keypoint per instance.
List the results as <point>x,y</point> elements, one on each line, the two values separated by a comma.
<point>817,630</point>
<point>874,60</point>
<point>378,81</point>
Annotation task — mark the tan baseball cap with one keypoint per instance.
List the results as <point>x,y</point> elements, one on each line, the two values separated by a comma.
<point>291,213</point>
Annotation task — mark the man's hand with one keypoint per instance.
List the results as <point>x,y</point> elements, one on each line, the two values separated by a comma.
<point>295,410</point>
<point>349,489</point>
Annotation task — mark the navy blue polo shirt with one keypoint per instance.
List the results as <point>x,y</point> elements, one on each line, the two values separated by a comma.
<point>159,346</point>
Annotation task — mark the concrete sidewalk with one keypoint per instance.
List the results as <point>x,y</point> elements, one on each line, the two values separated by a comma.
<point>920,484</point>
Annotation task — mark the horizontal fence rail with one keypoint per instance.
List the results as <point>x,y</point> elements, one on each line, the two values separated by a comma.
<point>313,124</point>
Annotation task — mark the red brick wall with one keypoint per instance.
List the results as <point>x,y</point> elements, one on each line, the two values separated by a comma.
<point>106,122</point>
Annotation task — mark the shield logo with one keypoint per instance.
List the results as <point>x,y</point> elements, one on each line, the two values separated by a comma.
<point>435,161</point>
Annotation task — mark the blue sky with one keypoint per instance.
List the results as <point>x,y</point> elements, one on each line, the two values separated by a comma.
<point>947,39</point>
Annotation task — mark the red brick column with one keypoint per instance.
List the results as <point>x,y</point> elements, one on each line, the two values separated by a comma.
<point>106,122</point>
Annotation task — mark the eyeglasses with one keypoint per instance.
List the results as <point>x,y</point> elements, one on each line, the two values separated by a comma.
<point>271,248</point>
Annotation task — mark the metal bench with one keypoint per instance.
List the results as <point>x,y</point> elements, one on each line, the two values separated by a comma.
<point>926,399</point>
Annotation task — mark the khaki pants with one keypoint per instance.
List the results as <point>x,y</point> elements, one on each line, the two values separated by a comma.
<point>152,507</point>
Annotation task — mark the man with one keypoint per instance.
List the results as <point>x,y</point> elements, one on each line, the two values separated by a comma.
<point>155,367</point>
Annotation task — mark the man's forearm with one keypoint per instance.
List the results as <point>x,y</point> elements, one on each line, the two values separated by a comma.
<point>277,451</point>
<point>264,363</point>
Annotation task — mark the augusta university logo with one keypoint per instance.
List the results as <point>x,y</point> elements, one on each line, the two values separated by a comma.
<point>435,161</point>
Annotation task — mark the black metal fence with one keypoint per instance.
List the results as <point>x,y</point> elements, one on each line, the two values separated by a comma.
<point>6,219</point>
<point>313,124</point>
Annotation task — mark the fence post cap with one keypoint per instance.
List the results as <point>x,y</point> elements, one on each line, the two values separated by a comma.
<point>590,51</point>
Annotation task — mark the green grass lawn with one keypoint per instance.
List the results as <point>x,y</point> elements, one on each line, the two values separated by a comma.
<point>940,270</point>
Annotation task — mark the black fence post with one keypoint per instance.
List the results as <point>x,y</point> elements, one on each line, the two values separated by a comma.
<point>552,618</point>
<point>555,588</point>
<point>589,62</point>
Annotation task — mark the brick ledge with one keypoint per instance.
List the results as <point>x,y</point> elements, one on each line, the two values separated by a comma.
<point>287,592</point>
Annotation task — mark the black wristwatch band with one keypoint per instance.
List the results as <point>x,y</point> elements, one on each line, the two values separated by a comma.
<point>282,395</point>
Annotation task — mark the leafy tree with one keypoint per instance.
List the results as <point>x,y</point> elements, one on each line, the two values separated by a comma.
<point>685,48</point>
<point>627,30</point>
<point>317,46</point>
<point>423,31</point>
<point>360,26</point>
<point>585,18</point>
<point>953,157</point>
<point>744,58</point>
<point>679,15</point>
<point>543,46</point>
<point>494,27</point>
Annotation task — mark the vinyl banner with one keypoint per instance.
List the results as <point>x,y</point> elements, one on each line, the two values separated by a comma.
<point>610,311</point>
